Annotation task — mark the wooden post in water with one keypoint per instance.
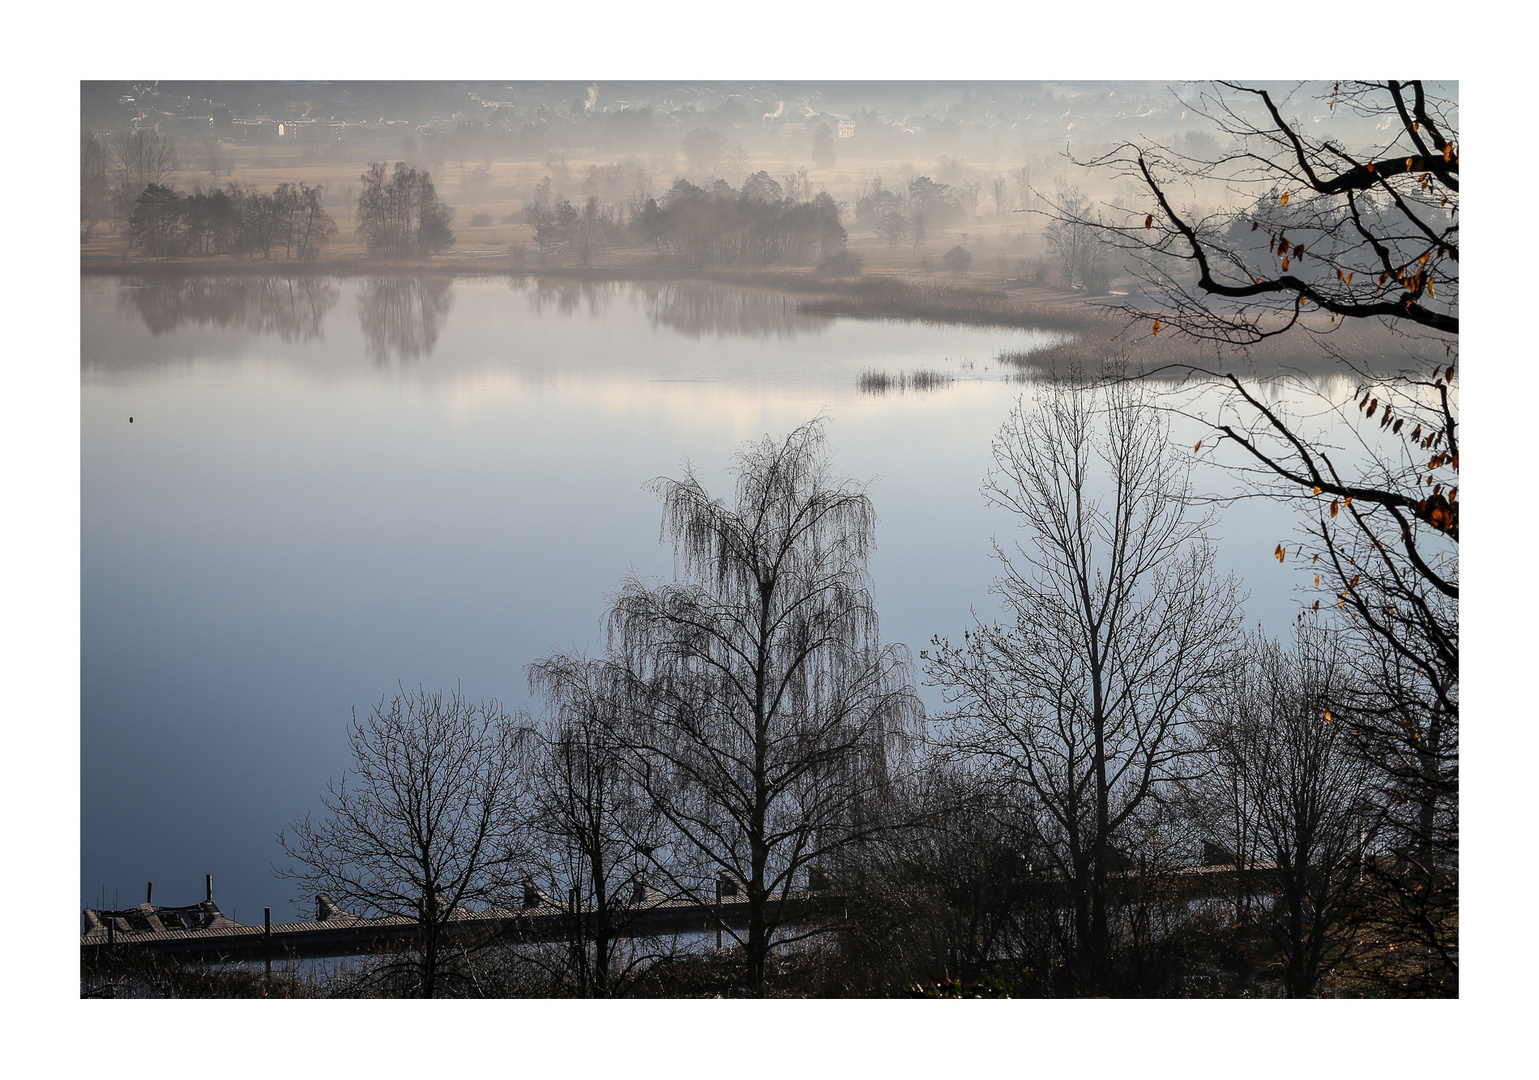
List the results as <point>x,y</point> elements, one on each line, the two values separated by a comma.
<point>149,892</point>
<point>208,887</point>
<point>267,939</point>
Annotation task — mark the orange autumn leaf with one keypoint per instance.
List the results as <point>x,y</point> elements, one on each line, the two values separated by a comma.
<point>1284,200</point>
<point>1197,447</point>
<point>1148,221</point>
<point>1334,507</point>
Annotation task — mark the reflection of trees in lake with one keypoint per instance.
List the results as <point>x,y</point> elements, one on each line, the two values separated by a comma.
<point>403,315</point>
<point>694,309</point>
<point>567,296</point>
<point>294,308</point>
<point>697,310</point>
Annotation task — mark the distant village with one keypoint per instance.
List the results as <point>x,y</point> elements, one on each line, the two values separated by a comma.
<point>867,118</point>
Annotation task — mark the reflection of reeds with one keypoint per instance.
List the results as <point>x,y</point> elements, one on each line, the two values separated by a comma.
<point>872,381</point>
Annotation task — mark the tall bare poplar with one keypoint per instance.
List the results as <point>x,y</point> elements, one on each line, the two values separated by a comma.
<point>1114,625</point>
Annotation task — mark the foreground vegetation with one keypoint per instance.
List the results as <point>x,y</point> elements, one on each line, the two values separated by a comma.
<point>1128,796</point>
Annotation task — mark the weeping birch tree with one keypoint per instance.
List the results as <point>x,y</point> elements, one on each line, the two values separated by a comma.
<point>765,718</point>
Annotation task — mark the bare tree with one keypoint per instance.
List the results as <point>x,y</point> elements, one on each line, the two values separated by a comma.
<point>421,828</point>
<point>144,157</point>
<point>401,215</point>
<point>999,187</point>
<point>764,711</point>
<point>893,227</point>
<point>1071,236</point>
<point>591,835</point>
<point>1277,784</point>
<point>1020,180</point>
<point>1116,625</point>
<point>1321,234</point>
<point>216,160</point>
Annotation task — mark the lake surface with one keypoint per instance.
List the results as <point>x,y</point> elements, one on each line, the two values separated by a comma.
<point>332,486</point>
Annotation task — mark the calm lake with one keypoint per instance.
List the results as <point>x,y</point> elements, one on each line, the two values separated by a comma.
<point>332,486</point>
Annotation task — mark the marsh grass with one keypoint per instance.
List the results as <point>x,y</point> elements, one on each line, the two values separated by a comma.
<point>872,381</point>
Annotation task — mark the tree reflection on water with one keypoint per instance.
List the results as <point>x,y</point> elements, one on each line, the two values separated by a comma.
<point>692,308</point>
<point>294,308</point>
<point>403,316</point>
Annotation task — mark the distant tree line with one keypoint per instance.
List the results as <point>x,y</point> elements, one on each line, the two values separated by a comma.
<point>759,224</point>
<point>754,226</point>
<point>238,220</point>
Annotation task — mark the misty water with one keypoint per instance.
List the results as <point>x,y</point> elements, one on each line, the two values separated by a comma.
<point>332,486</point>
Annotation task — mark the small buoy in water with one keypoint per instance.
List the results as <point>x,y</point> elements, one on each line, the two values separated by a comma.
<point>130,419</point>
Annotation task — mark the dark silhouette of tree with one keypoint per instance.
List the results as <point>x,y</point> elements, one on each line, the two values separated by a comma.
<point>303,223</point>
<point>422,827</point>
<point>591,832</point>
<point>1278,786</point>
<point>1326,233</point>
<point>400,215</point>
<point>1116,626</point>
<point>155,225</point>
<point>958,259</point>
<point>764,713</point>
